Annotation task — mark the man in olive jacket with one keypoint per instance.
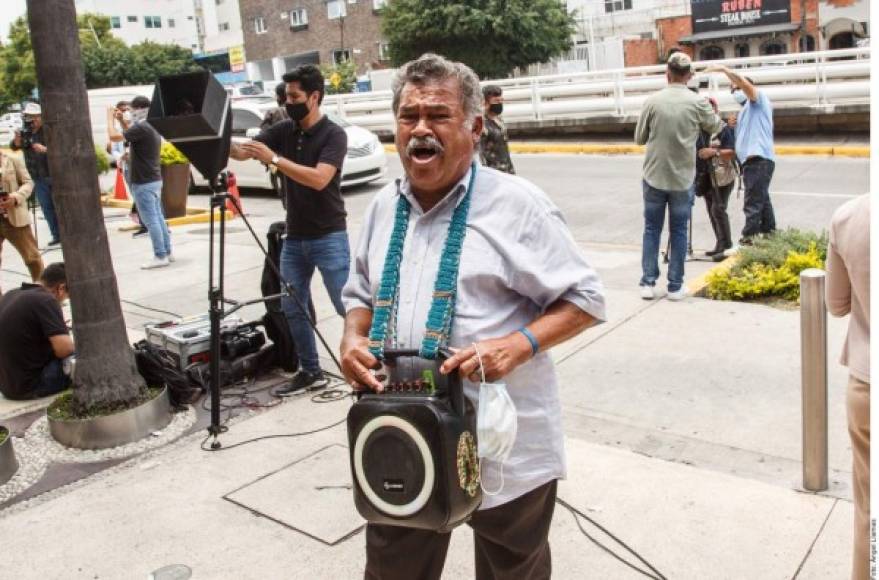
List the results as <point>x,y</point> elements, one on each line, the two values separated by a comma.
<point>15,220</point>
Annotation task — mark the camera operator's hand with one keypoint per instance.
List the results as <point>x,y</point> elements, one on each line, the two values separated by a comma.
<point>38,147</point>
<point>259,151</point>
<point>357,362</point>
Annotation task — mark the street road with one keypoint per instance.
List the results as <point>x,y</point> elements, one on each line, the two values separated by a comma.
<point>600,196</point>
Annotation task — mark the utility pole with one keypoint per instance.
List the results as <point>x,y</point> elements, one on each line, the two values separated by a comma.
<point>105,367</point>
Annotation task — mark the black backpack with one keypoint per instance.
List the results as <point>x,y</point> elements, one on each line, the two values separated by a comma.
<point>274,321</point>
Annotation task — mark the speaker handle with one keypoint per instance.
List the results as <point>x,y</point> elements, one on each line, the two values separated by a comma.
<point>455,384</point>
<point>401,352</point>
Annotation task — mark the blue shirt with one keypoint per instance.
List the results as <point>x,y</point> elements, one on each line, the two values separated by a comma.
<point>754,129</point>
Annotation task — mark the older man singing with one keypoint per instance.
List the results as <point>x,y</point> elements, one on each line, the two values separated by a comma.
<point>523,286</point>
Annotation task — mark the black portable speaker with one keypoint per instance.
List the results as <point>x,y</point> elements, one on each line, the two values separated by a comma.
<point>413,447</point>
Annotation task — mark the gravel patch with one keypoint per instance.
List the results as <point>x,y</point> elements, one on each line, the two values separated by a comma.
<point>37,449</point>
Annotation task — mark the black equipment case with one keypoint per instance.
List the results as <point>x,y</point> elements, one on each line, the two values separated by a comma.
<point>413,447</point>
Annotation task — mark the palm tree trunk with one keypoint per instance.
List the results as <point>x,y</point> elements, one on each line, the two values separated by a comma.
<point>105,367</point>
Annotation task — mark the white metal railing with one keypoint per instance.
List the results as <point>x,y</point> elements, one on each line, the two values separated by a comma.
<point>802,79</point>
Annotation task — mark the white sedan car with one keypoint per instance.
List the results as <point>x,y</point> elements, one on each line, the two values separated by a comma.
<point>366,160</point>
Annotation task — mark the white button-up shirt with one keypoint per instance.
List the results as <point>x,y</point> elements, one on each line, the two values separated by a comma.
<point>518,258</point>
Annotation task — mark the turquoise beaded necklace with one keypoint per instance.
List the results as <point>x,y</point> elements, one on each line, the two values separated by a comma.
<point>442,308</point>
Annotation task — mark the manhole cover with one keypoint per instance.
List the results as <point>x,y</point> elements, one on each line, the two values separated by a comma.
<point>207,231</point>
<point>172,572</point>
<point>311,495</point>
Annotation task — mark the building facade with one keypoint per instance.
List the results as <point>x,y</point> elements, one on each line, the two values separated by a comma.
<point>280,35</point>
<point>221,38</point>
<point>161,21</point>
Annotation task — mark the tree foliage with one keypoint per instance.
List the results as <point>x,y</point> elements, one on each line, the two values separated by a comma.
<point>341,77</point>
<point>108,61</point>
<point>491,36</point>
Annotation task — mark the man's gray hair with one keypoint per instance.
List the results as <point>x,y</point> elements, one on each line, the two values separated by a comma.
<point>429,68</point>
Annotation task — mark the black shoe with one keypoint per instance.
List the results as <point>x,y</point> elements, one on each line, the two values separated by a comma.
<point>302,381</point>
<point>714,252</point>
<point>141,232</point>
<point>719,257</point>
<point>749,241</point>
<point>54,242</point>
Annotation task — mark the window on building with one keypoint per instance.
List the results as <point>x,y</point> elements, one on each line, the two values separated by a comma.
<point>172,23</point>
<point>132,18</point>
<point>336,9</point>
<point>298,18</point>
<point>384,51</point>
<point>224,27</point>
<point>807,43</point>
<point>341,55</point>
<point>152,21</point>
<point>773,47</point>
<point>842,40</point>
<point>712,52</point>
<point>115,22</point>
<point>259,25</point>
<point>617,5</point>
<point>378,4</point>
<point>742,51</point>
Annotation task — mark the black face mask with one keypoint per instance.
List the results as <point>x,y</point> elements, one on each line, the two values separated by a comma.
<point>496,108</point>
<point>297,111</point>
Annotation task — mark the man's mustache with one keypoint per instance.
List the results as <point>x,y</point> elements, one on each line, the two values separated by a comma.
<point>428,142</point>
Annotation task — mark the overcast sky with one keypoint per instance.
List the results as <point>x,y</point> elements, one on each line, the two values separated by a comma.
<point>12,9</point>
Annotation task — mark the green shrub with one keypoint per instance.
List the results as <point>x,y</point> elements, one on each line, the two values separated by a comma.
<point>103,160</point>
<point>170,155</point>
<point>757,280</point>
<point>773,250</point>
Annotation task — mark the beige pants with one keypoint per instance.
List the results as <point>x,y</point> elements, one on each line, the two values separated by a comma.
<point>22,239</point>
<point>858,406</point>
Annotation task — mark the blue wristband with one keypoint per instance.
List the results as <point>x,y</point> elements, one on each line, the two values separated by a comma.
<point>534,346</point>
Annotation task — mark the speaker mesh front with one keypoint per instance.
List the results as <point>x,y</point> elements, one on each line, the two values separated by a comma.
<point>393,465</point>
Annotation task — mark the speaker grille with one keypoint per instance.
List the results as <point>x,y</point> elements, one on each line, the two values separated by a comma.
<point>393,465</point>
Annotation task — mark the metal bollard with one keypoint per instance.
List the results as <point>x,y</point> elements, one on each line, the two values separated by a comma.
<point>813,343</point>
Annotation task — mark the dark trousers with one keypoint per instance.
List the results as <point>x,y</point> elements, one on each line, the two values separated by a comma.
<point>759,215</point>
<point>716,201</point>
<point>511,543</point>
<point>43,191</point>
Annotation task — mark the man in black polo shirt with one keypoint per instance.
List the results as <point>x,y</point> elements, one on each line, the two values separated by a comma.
<point>309,150</point>
<point>34,340</point>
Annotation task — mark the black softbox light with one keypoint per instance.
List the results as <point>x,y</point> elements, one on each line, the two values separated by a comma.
<point>192,111</point>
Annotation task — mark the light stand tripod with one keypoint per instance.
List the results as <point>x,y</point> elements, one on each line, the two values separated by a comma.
<point>216,296</point>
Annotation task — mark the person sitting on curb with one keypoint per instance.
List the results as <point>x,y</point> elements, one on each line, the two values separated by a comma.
<point>35,341</point>
<point>14,217</point>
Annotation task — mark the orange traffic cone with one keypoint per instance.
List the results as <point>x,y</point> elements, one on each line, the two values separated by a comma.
<point>233,191</point>
<point>120,191</point>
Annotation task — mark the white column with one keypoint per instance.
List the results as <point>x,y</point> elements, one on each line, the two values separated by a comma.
<point>253,71</point>
<point>278,67</point>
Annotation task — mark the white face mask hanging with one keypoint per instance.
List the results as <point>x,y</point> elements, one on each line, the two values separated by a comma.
<point>496,425</point>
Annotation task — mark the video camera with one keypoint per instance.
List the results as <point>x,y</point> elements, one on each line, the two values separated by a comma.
<point>27,134</point>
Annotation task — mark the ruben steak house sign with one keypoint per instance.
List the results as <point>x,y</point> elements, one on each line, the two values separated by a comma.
<point>711,15</point>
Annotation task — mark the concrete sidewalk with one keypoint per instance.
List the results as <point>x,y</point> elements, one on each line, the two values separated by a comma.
<point>682,424</point>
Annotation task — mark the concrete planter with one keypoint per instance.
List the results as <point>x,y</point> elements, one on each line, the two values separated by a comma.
<point>175,189</point>
<point>116,429</point>
<point>8,462</point>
